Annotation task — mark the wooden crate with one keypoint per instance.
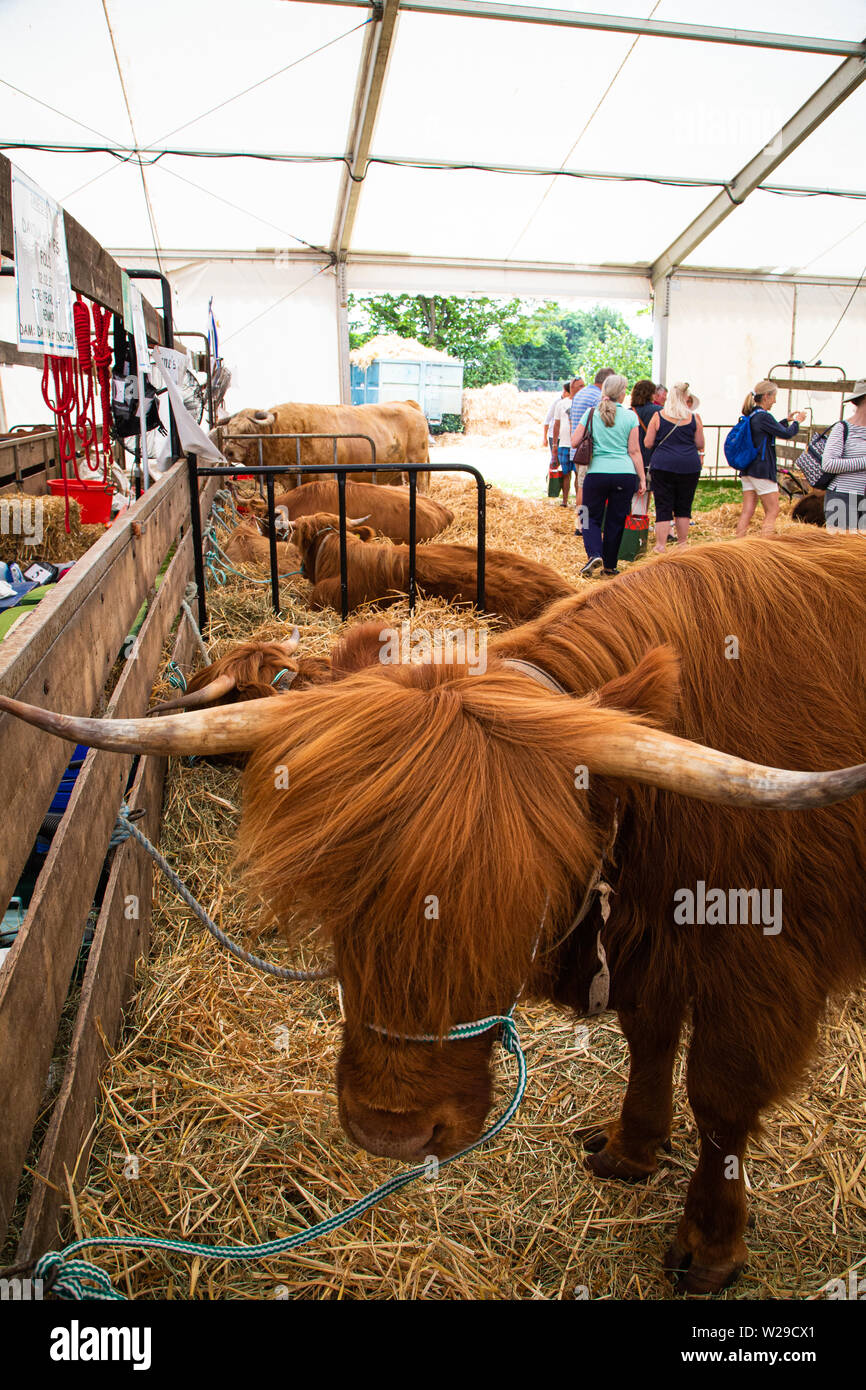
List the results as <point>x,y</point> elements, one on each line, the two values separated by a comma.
<point>28,460</point>
<point>62,657</point>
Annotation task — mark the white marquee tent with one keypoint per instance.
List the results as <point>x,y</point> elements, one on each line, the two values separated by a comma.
<point>278,155</point>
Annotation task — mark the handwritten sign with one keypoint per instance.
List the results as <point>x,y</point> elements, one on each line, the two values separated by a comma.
<point>41,271</point>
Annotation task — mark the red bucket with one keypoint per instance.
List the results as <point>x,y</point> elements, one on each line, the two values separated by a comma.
<point>94,498</point>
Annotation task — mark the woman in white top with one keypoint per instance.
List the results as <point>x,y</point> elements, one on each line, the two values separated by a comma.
<point>845,456</point>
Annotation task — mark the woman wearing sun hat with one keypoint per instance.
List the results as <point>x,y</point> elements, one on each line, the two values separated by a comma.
<point>845,457</point>
<point>759,479</point>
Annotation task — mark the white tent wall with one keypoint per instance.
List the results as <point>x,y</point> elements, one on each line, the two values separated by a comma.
<point>725,334</point>
<point>276,320</point>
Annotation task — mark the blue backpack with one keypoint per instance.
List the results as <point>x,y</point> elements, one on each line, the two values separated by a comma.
<point>740,448</point>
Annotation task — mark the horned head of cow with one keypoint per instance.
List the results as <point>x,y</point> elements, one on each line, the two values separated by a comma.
<point>307,533</point>
<point>434,831</point>
<point>236,448</point>
<point>249,671</point>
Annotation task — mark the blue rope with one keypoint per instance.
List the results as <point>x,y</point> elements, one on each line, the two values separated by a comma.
<point>74,1279</point>
<point>218,570</point>
<point>176,676</point>
<point>77,1280</point>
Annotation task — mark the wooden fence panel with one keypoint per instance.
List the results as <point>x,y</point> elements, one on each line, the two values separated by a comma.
<point>117,944</point>
<point>35,978</point>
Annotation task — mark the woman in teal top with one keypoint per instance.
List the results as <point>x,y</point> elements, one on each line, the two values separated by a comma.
<point>614,476</point>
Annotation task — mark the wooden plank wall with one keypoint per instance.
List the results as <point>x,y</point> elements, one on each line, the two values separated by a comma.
<point>119,940</point>
<point>63,657</point>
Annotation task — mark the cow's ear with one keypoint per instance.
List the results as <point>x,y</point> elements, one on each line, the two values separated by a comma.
<point>650,689</point>
<point>364,533</point>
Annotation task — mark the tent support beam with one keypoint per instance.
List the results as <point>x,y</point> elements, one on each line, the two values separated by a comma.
<point>621,24</point>
<point>831,94</point>
<point>378,45</point>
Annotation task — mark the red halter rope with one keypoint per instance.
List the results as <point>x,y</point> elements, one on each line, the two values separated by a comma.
<point>74,391</point>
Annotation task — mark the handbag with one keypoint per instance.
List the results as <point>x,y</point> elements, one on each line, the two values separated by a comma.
<point>583,452</point>
<point>809,462</point>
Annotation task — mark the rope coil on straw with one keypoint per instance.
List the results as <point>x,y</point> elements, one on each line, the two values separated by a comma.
<point>73,1279</point>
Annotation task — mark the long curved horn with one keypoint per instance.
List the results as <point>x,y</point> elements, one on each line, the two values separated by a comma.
<point>194,699</point>
<point>221,730</point>
<point>679,765</point>
<point>357,520</point>
<point>293,642</point>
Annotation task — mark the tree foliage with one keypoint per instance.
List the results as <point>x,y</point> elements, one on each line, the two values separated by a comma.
<point>503,340</point>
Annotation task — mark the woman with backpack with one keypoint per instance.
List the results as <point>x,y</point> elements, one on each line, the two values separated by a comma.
<point>614,475</point>
<point>844,457</point>
<point>759,479</point>
<point>675,438</point>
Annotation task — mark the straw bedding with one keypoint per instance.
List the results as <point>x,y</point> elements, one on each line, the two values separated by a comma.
<point>56,545</point>
<point>223,1087</point>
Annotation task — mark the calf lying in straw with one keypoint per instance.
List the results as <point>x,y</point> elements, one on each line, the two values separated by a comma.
<point>516,589</point>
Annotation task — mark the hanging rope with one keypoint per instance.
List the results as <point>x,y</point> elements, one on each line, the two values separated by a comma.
<point>102,363</point>
<point>61,370</point>
<point>85,424</point>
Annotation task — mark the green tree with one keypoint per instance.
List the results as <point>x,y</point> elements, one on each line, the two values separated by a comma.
<point>621,349</point>
<point>471,329</point>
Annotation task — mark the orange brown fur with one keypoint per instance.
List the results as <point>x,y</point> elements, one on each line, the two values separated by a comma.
<point>516,589</point>
<point>408,782</point>
<point>386,509</point>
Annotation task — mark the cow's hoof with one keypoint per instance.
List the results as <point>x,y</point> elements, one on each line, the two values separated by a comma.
<point>605,1164</point>
<point>690,1278</point>
<point>593,1137</point>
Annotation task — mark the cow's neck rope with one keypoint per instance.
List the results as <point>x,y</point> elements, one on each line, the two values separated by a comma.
<point>70,1278</point>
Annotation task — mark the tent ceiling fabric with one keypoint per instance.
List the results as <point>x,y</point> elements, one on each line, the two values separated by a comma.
<point>457,89</point>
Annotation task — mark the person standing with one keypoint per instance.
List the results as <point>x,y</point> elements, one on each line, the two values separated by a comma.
<point>660,395</point>
<point>613,477</point>
<point>760,479</point>
<point>645,409</point>
<point>675,438</point>
<point>561,436</point>
<point>547,439</point>
<point>584,399</point>
<point>845,457</point>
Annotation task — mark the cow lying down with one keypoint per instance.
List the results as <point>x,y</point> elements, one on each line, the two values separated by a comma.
<point>255,670</point>
<point>385,508</point>
<point>517,589</point>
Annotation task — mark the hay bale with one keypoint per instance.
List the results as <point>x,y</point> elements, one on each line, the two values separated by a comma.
<point>514,418</point>
<point>390,346</point>
<point>57,544</point>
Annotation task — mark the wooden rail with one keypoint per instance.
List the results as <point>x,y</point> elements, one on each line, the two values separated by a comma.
<point>62,656</point>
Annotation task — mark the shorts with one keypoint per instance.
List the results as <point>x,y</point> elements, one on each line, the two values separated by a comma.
<point>674,493</point>
<point>762,486</point>
<point>566,463</point>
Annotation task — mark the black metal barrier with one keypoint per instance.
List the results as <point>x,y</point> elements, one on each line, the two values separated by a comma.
<point>341,471</point>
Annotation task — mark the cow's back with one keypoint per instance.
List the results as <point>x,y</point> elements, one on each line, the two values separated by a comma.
<point>386,508</point>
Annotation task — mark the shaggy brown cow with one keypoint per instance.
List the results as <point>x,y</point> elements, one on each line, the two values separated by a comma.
<point>503,802</point>
<point>386,509</point>
<point>810,510</point>
<point>246,545</point>
<point>516,589</point>
<point>256,670</point>
<point>398,429</point>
